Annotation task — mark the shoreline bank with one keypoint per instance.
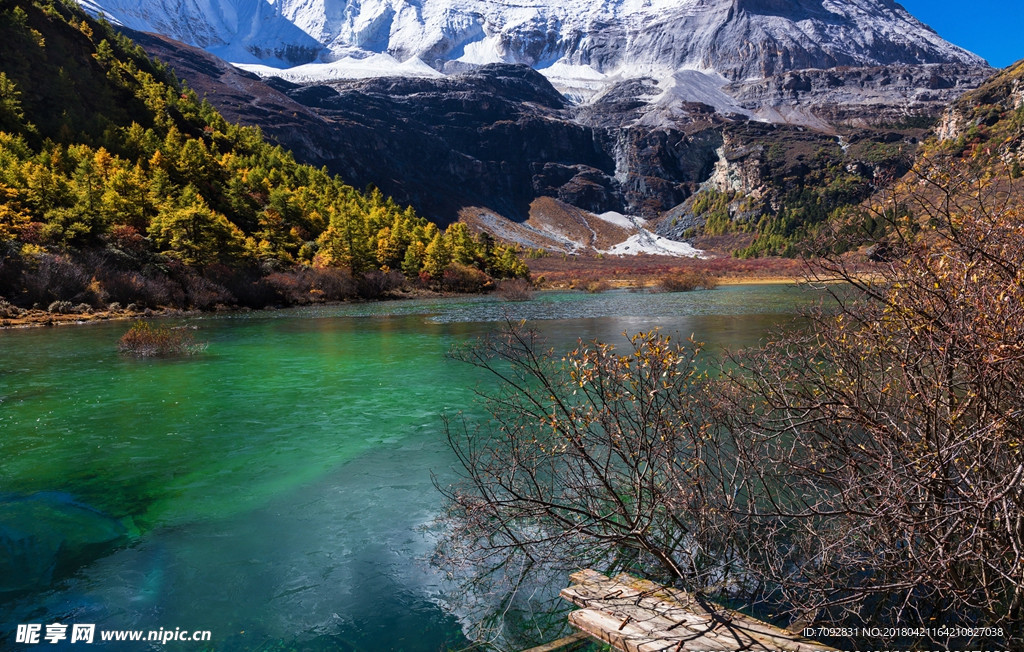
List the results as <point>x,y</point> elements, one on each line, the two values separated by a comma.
<point>569,274</point>
<point>43,319</point>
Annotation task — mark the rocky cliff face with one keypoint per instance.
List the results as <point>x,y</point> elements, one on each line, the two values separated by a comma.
<point>495,137</point>
<point>984,106</point>
<point>857,96</point>
<point>985,127</point>
<point>501,136</point>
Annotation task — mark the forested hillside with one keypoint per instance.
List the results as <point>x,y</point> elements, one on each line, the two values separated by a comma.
<point>970,168</point>
<point>118,184</point>
<point>978,139</point>
<point>987,125</point>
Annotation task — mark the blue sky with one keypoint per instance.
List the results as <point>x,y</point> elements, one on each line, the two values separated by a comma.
<point>992,29</point>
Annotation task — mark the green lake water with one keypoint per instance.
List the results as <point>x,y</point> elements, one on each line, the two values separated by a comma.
<point>275,489</point>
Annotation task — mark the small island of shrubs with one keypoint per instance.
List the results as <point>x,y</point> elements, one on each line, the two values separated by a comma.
<point>143,340</point>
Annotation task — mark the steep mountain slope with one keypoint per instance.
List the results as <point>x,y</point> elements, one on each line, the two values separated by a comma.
<point>244,97</point>
<point>989,121</point>
<point>964,192</point>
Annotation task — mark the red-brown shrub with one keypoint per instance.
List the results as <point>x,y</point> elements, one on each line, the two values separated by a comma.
<point>462,278</point>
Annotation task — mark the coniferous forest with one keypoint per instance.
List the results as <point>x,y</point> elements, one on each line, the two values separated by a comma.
<point>119,185</point>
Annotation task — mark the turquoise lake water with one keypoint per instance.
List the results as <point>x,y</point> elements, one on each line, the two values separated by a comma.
<point>275,489</point>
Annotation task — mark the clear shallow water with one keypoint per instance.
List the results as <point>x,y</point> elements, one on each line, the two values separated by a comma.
<point>275,489</point>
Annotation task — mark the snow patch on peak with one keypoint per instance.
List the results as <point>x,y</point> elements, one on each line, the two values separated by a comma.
<point>699,86</point>
<point>643,241</point>
<point>579,83</point>
<point>480,52</point>
<point>236,30</point>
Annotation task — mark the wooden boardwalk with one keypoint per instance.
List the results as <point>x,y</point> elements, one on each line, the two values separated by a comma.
<point>636,615</point>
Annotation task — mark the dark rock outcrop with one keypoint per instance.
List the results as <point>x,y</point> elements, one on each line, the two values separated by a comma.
<point>47,535</point>
<point>498,137</point>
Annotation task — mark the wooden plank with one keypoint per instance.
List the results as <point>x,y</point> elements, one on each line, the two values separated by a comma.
<point>776,637</point>
<point>587,575</point>
<point>615,595</point>
<point>636,637</point>
<point>644,623</point>
<point>622,601</point>
<point>562,643</point>
<point>647,616</point>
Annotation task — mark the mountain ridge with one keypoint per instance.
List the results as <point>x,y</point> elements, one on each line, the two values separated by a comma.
<point>737,39</point>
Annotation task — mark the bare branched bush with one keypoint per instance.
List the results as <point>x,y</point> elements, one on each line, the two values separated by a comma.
<point>592,460</point>
<point>312,285</point>
<point>464,279</point>
<point>597,287</point>
<point>333,284</point>
<point>375,284</point>
<point>60,308</point>
<point>204,294</point>
<point>8,310</point>
<point>54,278</point>
<point>127,287</point>
<point>883,454</point>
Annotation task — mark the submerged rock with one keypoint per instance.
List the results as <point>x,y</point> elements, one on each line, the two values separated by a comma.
<point>49,534</point>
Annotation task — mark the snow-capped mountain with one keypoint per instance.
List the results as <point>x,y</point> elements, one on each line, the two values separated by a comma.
<point>586,40</point>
